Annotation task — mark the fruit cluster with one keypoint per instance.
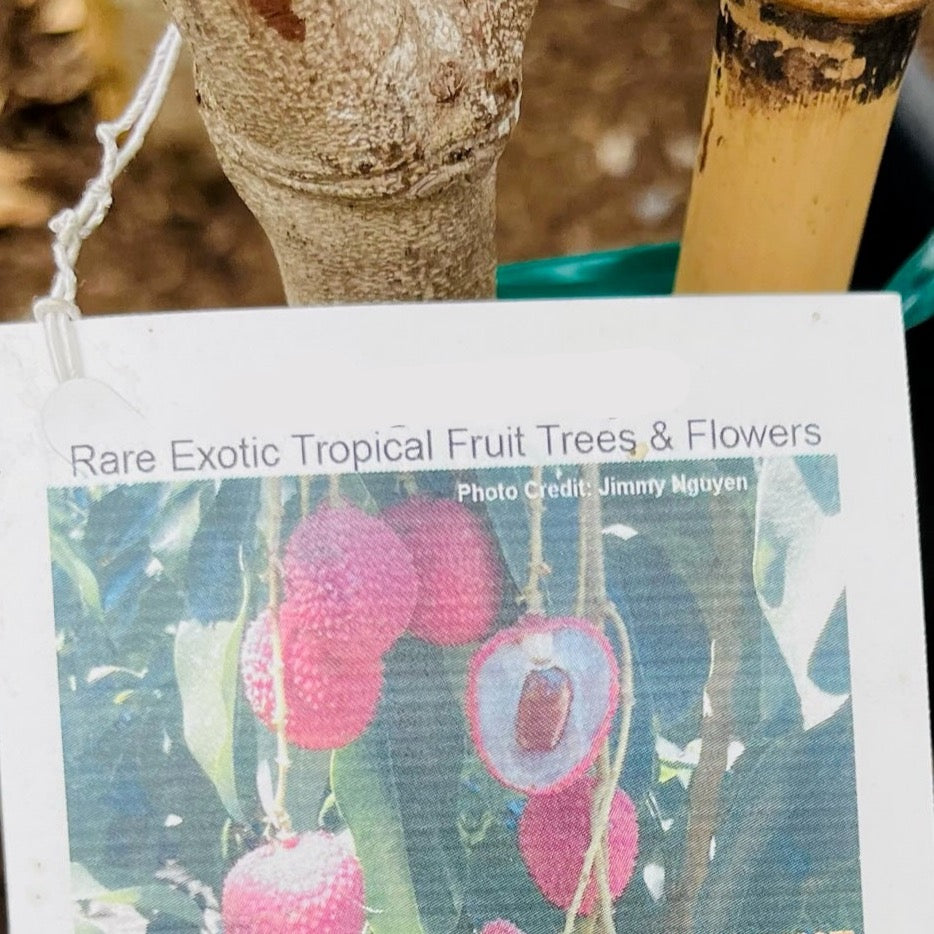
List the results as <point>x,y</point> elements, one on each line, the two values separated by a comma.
<point>354,583</point>
<point>541,698</point>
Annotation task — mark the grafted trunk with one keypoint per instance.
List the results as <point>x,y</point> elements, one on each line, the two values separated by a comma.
<point>364,136</point>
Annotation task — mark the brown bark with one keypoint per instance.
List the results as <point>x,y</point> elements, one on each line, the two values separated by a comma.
<point>721,604</point>
<point>364,136</point>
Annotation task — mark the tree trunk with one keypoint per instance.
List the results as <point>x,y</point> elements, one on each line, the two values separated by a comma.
<point>364,135</point>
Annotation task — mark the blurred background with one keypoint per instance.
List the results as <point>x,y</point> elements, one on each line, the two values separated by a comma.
<point>602,156</point>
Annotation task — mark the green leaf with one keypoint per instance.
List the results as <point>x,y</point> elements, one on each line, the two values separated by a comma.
<point>309,777</point>
<point>83,926</point>
<point>165,900</point>
<point>206,669</point>
<point>213,580</point>
<point>79,574</point>
<point>795,535</point>
<point>152,899</point>
<point>84,887</point>
<point>354,490</point>
<point>369,802</point>
<point>789,837</point>
<point>397,789</point>
<point>177,523</point>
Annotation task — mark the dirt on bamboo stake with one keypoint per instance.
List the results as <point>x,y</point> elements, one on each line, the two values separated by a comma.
<point>801,97</point>
<point>364,136</point>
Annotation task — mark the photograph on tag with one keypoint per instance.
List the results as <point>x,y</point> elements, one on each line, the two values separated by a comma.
<point>522,700</point>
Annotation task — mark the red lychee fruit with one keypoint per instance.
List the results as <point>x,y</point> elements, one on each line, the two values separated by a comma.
<point>308,884</point>
<point>459,576</point>
<point>499,926</point>
<point>554,834</point>
<point>541,697</point>
<point>349,579</point>
<point>330,699</point>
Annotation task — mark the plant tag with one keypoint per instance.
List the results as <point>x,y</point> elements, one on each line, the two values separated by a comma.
<point>597,615</point>
<point>84,414</point>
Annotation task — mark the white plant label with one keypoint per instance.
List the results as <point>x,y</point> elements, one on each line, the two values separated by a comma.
<point>504,618</point>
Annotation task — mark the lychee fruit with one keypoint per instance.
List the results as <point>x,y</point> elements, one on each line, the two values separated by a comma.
<point>541,697</point>
<point>459,576</point>
<point>306,884</point>
<point>555,833</point>
<point>499,926</point>
<point>330,699</point>
<point>349,579</point>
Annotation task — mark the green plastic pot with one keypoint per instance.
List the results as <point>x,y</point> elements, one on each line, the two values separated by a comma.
<point>650,270</point>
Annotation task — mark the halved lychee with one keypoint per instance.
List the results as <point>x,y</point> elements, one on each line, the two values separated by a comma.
<point>459,576</point>
<point>541,697</point>
<point>555,833</point>
<point>330,699</point>
<point>307,884</point>
<point>349,578</point>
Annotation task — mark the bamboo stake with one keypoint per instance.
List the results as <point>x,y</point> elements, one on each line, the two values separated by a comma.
<point>364,136</point>
<point>800,100</point>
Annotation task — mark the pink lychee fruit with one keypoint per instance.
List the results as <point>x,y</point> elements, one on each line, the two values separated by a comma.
<point>349,579</point>
<point>499,926</point>
<point>541,697</point>
<point>330,699</point>
<point>307,884</point>
<point>554,834</point>
<point>459,576</point>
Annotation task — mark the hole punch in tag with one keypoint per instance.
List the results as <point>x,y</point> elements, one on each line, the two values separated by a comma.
<point>94,429</point>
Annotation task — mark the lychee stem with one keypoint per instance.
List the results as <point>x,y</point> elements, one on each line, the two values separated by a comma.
<point>334,490</point>
<point>591,596</point>
<point>304,495</point>
<point>532,595</point>
<point>594,604</point>
<point>602,859</point>
<point>273,490</point>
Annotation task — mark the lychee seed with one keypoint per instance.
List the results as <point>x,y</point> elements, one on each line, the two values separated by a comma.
<point>555,832</point>
<point>312,886</point>
<point>544,707</point>
<point>350,579</point>
<point>541,697</point>
<point>330,700</point>
<point>499,926</point>
<point>460,581</point>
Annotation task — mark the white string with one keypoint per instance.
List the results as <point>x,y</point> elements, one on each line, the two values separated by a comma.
<point>72,226</point>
